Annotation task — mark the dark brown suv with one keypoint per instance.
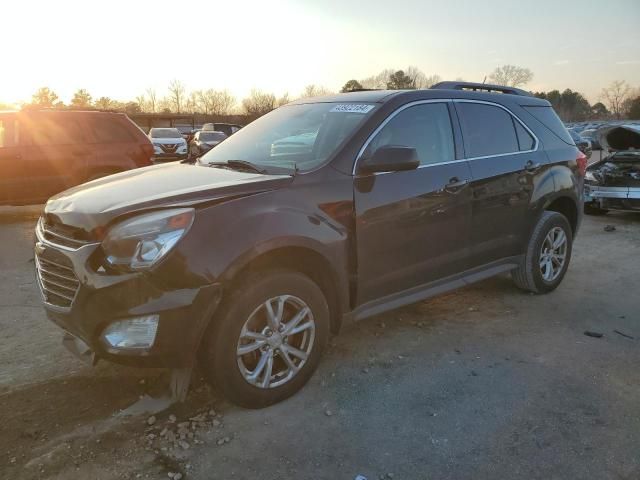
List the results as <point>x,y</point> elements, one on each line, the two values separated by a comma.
<point>43,152</point>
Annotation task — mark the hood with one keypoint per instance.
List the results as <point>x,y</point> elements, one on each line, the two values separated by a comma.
<point>98,202</point>
<point>165,141</point>
<point>619,137</point>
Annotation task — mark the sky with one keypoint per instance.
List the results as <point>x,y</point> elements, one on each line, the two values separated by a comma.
<point>120,48</point>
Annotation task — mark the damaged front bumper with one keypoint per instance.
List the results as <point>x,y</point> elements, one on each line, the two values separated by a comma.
<point>182,310</point>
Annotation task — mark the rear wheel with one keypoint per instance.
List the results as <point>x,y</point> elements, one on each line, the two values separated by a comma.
<point>548,254</point>
<point>268,339</point>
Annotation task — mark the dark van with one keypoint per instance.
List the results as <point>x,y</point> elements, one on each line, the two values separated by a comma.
<point>43,152</point>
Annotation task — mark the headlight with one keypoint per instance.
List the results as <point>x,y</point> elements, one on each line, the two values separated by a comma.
<point>140,242</point>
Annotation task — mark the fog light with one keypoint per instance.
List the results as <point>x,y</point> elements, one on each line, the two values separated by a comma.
<point>137,332</point>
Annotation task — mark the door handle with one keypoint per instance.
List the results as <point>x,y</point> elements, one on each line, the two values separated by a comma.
<point>531,167</point>
<point>455,185</point>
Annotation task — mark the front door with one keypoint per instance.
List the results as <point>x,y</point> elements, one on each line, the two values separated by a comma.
<point>412,227</point>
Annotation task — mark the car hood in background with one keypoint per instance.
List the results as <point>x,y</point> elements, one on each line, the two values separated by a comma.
<point>98,202</point>
<point>619,137</point>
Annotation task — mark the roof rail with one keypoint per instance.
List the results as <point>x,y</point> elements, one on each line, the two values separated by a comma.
<point>482,87</point>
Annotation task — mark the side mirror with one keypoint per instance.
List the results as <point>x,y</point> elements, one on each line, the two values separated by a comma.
<point>390,158</point>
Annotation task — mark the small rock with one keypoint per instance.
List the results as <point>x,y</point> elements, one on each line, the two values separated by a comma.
<point>212,413</point>
<point>609,228</point>
<point>216,422</point>
<point>172,418</point>
<point>184,424</point>
<point>220,441</point>
<point>328,413</point>
<point>184,445</point>
<point>226,439</point>
<point>383,325</point>
<point>151,420</point>
<point>141,382</point>
<point>177,476</point>
<point>164,432</point>
<point>474,373</point>
<point>365,370</point>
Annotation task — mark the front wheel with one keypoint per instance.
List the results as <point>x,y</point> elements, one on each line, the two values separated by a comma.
<point>268,338</point>
<point>548,254</point>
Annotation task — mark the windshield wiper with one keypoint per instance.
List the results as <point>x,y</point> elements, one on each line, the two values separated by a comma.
<point>238,165</point>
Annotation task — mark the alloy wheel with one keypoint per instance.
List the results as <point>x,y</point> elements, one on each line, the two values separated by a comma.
<point>275,341</point>
<point>553,254</point>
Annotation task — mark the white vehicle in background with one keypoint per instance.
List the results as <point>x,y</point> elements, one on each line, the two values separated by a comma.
<point>168,144</point>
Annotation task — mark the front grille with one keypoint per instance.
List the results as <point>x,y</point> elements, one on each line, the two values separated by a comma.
<point>169,147</point>
<point>62,235</point>
<point>57,280</point>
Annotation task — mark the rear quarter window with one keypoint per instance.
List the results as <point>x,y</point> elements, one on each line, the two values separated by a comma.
<point>55,130</point>
<point>548,117</point>
<point>110,130</point>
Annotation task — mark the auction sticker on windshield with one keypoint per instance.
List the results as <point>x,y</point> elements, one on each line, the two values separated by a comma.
<point>352,108</point>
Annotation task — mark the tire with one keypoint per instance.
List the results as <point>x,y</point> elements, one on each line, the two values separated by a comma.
<point>245,309</point>
<point>530,275</point>
<point>591,210</point>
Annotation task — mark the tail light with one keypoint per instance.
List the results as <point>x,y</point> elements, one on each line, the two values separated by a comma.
<point>581,161</point>
<point>147,153</point>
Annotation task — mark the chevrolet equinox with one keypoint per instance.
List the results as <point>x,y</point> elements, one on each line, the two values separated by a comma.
<point>323,211</point>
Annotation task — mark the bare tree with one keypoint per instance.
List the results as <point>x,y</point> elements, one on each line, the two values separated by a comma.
<point>315,91</point>
<point>223,103</point>
<point>152,103</point>
<point>615,95</point>
<point>511,75</point>
<point>378,81</point>
<point>176,95</point>
<point>283,100</point>
<point>192,103</point>
<point>141,101</point>
<point>258,103</point>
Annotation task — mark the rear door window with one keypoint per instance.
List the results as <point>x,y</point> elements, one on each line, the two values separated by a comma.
<point>487,130</point>
<point>109,130</point>
<point>525,140</point>
<point>55,130</point>
<point>426,127</point>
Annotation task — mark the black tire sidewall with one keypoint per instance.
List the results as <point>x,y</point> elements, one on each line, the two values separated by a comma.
<point>221,341</point>
<point>554,220</point>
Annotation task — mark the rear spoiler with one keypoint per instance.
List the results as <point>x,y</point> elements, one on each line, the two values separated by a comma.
<point>480,87</point>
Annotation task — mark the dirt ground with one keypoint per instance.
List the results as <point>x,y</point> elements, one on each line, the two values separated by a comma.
<point>484,383</point>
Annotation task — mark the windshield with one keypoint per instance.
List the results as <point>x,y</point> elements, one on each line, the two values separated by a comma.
<point>165,133</point>
<point>212,136</point>
<point>301,135</point>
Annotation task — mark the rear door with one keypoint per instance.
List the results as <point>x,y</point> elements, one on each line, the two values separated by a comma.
<point>412,227</point>
<point>58,152</point>
<point>13,173</point>
<point>504,161</point>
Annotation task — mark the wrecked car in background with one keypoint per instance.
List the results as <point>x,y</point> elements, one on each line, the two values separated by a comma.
<point>613,183</point>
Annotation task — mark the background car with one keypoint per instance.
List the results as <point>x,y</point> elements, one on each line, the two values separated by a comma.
<point>227,128</point>
<point>43,152</point>
<point>204,141</point>
<point>590,134</point>
<point>583,144</point>
<point>168,144</point>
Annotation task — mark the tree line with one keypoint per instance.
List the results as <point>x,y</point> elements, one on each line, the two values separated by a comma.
<point>618,100</point>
